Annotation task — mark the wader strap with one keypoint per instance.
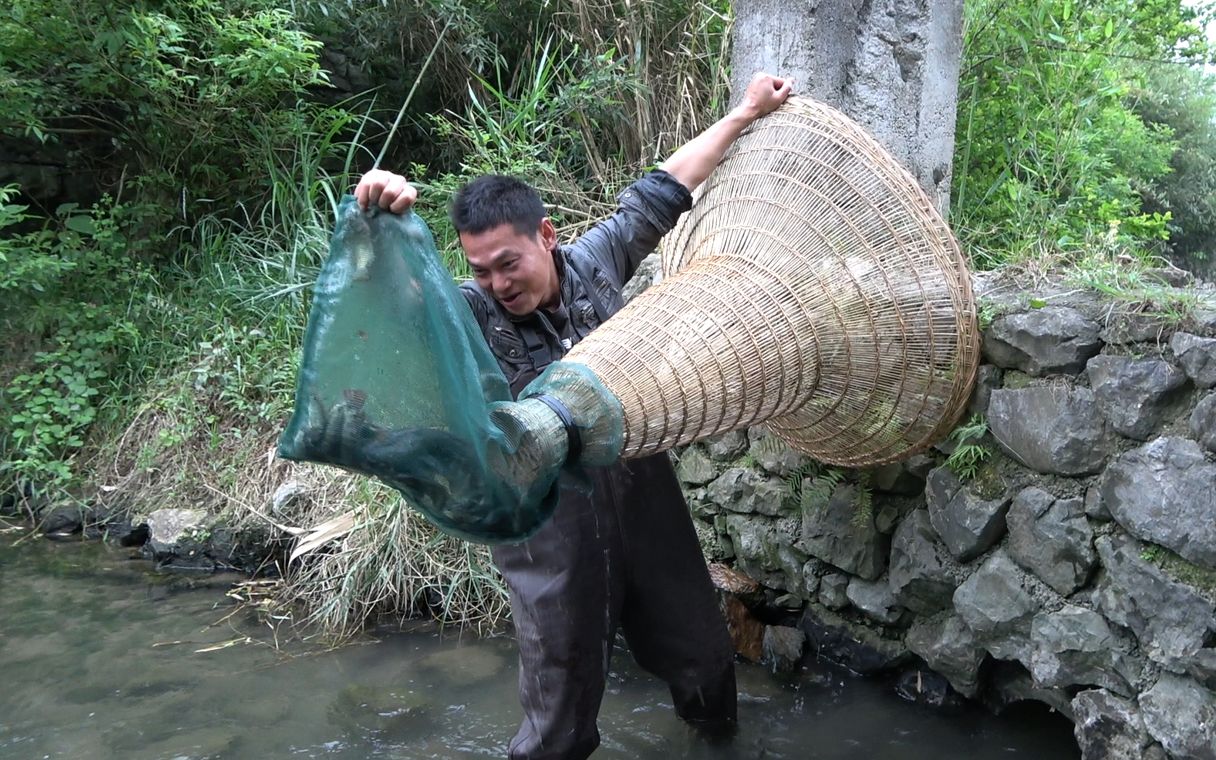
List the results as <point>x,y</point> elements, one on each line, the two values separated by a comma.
<point>538,349</point>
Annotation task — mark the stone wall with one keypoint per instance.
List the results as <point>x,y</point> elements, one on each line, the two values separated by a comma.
<point>1077,567</point>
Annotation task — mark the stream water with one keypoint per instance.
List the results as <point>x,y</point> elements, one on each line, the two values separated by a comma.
<point>101,659</point>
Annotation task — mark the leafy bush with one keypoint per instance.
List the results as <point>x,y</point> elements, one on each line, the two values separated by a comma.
<point>1184,100</point>
<point>1049,149</point>
<point>164,94</point>
<point>73,290</point>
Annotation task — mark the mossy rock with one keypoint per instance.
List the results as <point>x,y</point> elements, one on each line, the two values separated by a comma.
<point>990,481</point>
<point>1182,570</point>
<point>1015,380</point>
<point>389,712</point>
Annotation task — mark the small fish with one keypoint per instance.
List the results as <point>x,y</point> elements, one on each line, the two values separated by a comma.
<point>357,240</point>
<point>440,474</point>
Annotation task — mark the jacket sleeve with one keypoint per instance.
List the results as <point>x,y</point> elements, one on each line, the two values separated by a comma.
<point>647,211</point>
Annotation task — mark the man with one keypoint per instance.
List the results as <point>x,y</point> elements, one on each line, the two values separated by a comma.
<point>626,555</point>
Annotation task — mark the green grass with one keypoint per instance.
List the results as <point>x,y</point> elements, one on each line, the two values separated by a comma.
<point>1181,569</point>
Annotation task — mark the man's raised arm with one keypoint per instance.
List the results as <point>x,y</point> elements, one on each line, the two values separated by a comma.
<point>694,161</point>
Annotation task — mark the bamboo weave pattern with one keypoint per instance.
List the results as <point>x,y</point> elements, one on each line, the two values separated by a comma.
<point>813,287</point>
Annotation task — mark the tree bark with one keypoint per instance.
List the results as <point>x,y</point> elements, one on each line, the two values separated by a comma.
<point>891,65</point>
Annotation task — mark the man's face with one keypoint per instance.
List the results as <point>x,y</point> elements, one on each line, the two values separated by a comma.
<point>516,269</point>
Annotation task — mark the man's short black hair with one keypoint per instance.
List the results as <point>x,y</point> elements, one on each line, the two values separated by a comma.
<point>494,199</point>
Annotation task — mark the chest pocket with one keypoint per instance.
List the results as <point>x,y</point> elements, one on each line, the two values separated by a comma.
<point>511,353</point>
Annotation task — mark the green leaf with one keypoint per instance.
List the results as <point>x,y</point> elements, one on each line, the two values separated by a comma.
<point>80,223</point>
<point>1110,28</point>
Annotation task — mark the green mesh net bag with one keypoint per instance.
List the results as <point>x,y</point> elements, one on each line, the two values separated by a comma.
<point>397,382</point>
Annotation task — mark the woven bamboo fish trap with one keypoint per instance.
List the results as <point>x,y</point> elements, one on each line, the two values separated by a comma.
<point>813,288</point>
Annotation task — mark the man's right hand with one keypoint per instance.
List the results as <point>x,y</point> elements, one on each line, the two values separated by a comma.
<point>387,190</point>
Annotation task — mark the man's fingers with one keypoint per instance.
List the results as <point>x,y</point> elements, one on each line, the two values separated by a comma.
<point>370,187</point>
<point>373,195</point>
<point>405,200</point>
<point>386,190</point>
<point>391,189</point>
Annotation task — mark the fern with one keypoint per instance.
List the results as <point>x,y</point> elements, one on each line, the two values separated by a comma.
<point>822,485</point>
<point>768,447</point>
<point>794,481</point>
<point>967,457</point>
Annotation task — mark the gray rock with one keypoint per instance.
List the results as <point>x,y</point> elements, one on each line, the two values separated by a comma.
<point>1051,538</point>
<point>905,478</point>
<point>712,545</point>
<point>1009,683</point>
<point>1134,328</point>
<point>1174,277</point>
<point>726,447</point>
<point>1107,727</point>
<point>169,527</point>
<point>995,603</point>
<point>1181,715</point>
<point>857,648</point>
<point>967,523</point>
<point>924,687</point>
<point>782,647</point>
<point>1165,492</point>
<point>1203,667</point>
<point>1076,647</point>
<point>61,519</point>
<point>1203,320</point>
<point>742,490</point>
<point>773,454</point>
<point>1042,341</point>
<point>875,600</point>
<point>463,665</point>
<point>287,495</point>
<point>695,468</point>
<point>363,709</point>
<point>1203,422</point>
<point>763,549</point>
<point>1095,508</point>
<point>950,648</point>
<point>1170,620</point>
<point>811,570</point>
<point>1197,356</point>
<point>833,590</point>
<point>987,379</point>
<point>1134,394</point>
<point>833,533</point>
<point>923,576</point>
<point>1051,430</point>
<point>787,602</point>
<point>649,272</point>
<point>892,513</point>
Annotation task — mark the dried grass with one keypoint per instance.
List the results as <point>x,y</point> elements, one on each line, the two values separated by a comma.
<point>388,564</point>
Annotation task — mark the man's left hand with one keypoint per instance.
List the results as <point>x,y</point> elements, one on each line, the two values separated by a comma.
<point>764,94</point>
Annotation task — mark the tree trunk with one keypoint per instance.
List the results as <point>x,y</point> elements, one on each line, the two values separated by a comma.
<point>891,65</point>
